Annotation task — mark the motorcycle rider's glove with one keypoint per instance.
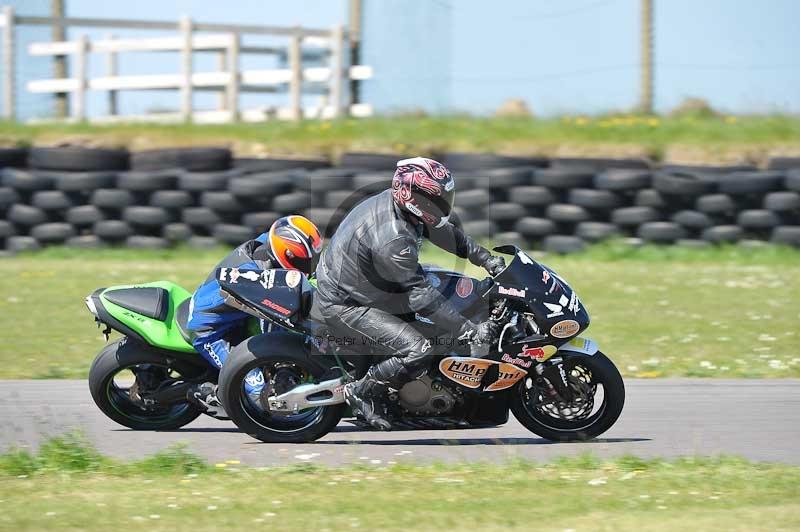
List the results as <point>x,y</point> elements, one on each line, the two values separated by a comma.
<point>494,265</point>
<point>483,333</point>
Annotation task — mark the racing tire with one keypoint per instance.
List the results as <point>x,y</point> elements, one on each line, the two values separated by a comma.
<point>256,352</point>
<point>117,356</point>
<point>201,159</point>
<point>78,159</point>
<point>560,431</point>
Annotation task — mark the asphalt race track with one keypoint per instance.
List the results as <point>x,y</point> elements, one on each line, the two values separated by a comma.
<point>756,419</point>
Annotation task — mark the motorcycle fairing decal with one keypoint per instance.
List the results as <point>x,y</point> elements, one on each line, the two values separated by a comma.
<point>508,375</point>
<point>585,346</point>
<point>469,372</point>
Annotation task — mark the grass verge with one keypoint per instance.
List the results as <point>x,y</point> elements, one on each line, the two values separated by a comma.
<point>711,139</point>
<point>656,311</point>
<point>78,489</point>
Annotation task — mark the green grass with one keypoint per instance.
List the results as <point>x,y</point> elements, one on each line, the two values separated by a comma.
<point>75,488</point>
<point>700,138</point>
<point>656,311</point>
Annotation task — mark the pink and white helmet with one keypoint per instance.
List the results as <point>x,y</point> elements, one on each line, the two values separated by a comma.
<point>424,188</point>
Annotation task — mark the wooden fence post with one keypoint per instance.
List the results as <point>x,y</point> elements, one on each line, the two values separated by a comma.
<point>111,67</point>
<point>232,90</point>
<point>81,58</point>
<point>9,104</point>
<point>337,70</point>
<point>295,84</point>
<point>185,28</point>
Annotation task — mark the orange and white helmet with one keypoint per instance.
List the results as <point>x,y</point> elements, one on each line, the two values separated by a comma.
<point>295,243</point>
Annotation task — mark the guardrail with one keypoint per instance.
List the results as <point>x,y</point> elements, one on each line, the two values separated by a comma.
<point>230,80</point>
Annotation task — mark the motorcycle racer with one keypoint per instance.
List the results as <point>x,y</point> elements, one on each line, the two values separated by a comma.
<point>370,273</point>
<point>292,242</point>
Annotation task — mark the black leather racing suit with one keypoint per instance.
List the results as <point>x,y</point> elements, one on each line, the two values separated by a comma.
<point>370,273</point>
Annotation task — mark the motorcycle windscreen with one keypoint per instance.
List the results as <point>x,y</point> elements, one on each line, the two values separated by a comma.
<point>275,294</point>
<point>557,308</point>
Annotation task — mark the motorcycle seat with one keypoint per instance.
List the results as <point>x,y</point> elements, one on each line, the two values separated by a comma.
<point>151,302</point>
<point>182,320</point>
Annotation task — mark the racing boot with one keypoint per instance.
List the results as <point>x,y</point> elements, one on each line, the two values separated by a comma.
<point>205,395</point>
<point>367,397</point>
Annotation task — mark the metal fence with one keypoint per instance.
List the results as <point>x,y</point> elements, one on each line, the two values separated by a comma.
<point>326,47</point>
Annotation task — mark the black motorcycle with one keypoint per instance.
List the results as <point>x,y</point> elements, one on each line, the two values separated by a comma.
<point>557,384</point>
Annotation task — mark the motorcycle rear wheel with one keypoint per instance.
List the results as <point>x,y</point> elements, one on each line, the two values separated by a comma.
<point>114,399</point>
<point>280,363</point>
<point>572,422</point>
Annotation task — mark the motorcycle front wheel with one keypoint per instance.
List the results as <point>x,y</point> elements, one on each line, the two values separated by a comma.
<point>282,370</point>
<point>598,395</point>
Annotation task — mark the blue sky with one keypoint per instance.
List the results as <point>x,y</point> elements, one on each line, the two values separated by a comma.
<point>572,56</point>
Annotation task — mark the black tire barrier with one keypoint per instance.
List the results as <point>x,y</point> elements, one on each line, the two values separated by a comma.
<point>53,233</point>
<point>634,216</point>
<point>112,198</point>
<point>26,180</point>
<point>787,235</point>
<point>661,232</point>
<point>171,199</point>
<point>715,204</point>
<point>723,234</point>
<point>251,165</point>
<point>501,178</point>
<point>206,181</point>
<point>84,242</point>
<point>292,202</point>
<point>112,230</point>
<point>148,181</point>
<point>623,179</point>
<point>751,182</point>
<point>85,181</point>
<point>650,198</point>
<point>530,196</point>
<point>783,163</point>
<point>177,232</point>
<point>757,219</point>
<point>146,216</point>
<point>782,201</point>
<point>6,229</point>
<point>25,215</point>
<point>505,212</point>
<point>380,162</point>
<point>259,222</point>
<point>682,184</point>
<point>793,180</point>
<point>84,216</point>
<point>189,159</point>
<point>519,199</point>
<point>146,242</point>
<point>202,217</point>
<point>78,159</point>
<point>603,200</point>
<point>596,231</point>
<point>470,162</point>
<point>51,200</point>
<point>692,219</point>
<point>563,244</point>
<point>261,185</point>
<point>232,234</point>
<point>602,163</point>
<point>566,213</point>
<point>535,228</point>
<point>563,178</point>
<point>8,197</point>
<point>13,157</point>
<point>16,244</point>
<point>222,202</point>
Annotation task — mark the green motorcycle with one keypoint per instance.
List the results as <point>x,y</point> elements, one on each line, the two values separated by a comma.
<point>142,380</point>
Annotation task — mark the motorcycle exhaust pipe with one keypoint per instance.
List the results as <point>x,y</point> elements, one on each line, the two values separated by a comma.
<point>325,393</point>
